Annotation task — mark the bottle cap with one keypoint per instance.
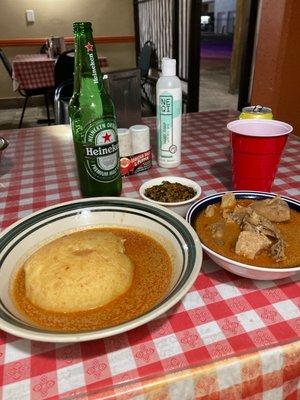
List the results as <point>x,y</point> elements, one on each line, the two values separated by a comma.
<point>140,138</point>
<point>168,67</point>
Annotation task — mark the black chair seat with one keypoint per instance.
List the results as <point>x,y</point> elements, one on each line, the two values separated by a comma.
<point>37,92</point>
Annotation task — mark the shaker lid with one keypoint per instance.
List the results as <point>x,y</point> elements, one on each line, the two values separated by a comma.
<point>168,67</point>
<point>140,138</point>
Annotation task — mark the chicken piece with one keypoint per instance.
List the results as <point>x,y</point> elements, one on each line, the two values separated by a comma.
<point>210,210</point>
<point>228,200</point>
<point>254,222</point>
<point>227,214</point>
<point>217,231</point>
<point>277,251</point>
<point>251,243</point>
<point>237,215</point>
<point>275,209</point>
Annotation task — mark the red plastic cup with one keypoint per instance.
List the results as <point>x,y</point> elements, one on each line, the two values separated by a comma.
<point>256,146</point>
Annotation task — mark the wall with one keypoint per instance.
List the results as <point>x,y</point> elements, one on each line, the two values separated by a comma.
<point>223,6</point>
<point>276,78</point>
<point>55,17</point>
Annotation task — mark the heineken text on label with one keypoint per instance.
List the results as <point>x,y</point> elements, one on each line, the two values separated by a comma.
<point>89,48</point>
<point>101,151</point>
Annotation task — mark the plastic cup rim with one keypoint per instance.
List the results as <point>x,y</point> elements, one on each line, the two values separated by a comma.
<point>237,122</point>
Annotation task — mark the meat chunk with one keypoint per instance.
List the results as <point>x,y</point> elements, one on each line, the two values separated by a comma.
<point>277,250</point>
<point>210,210</point>
<point>228,200</point>
<point>275,209</point>
<point>217,232</point>
<point>260,225</point>
<point>237,215</point>
<point>217,229</point>
<point>254,222</point>
<point>251,243</point>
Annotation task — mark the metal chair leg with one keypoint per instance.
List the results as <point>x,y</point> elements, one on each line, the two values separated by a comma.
<point>23,111</point>
<point>47,108</point>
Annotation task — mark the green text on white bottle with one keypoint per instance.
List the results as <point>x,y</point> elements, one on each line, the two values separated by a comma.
<point>169,109</point>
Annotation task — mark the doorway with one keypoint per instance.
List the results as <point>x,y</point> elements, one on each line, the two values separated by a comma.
<point>227,41</point>
<point>215,56</point>
<point>212,42</point>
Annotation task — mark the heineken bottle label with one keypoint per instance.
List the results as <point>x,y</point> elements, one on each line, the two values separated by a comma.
<point>101,150</point>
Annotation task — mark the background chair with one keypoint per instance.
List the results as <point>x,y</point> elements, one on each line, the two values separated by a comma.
<point>64,67</point>
<point>44,49</point>
<point>147,59</point>
<point>64,80</point>
<point>62,96</point>
<point>27,93</point>
<point>124,88</point>
<point>144,61</point>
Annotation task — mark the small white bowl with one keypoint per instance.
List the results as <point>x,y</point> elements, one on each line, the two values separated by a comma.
<point>180,207</point>
<point>238,268</point>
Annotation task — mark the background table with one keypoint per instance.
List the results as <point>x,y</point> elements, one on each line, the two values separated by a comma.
<point>229,337</point>
<point>33,71</point>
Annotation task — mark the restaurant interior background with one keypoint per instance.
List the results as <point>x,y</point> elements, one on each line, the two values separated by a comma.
<point>229,336</point>
<point>256,54</point>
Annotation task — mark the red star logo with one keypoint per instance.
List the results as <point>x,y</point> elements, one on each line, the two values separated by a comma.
<point>89,47</point>
<point>106,137</point>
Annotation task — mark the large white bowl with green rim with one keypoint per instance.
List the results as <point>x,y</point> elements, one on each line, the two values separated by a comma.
<point>22,238</point>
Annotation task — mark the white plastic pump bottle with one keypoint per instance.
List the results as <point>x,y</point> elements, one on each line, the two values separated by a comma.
<point>169,110</point>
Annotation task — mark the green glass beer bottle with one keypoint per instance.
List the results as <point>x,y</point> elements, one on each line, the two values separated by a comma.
<point>93,121</point>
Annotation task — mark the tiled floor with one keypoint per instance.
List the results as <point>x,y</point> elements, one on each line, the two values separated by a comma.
<point>214,85</point>
<point>9,118</point>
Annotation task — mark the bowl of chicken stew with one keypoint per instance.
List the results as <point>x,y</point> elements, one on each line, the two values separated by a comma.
<point>251,234</point>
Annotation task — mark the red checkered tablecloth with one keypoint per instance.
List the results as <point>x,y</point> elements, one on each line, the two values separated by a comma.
<point>33,71</point>
<point>229,337</point>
